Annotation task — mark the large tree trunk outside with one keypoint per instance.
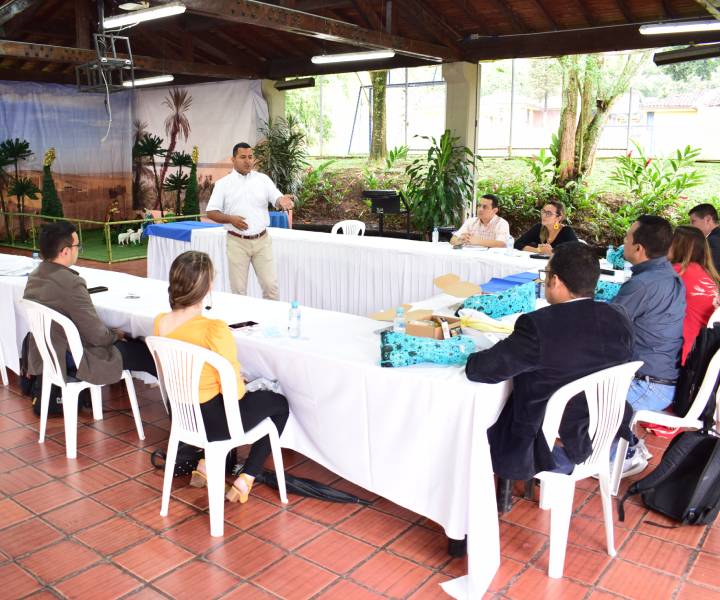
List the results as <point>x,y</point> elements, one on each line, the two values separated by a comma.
<point>378,143</point>
<point>568,120</point>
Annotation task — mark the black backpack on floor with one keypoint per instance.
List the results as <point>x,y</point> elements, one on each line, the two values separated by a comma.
<point>685,486</point>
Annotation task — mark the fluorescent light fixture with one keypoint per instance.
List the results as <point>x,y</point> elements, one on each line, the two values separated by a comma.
<point>324,59</point>
<point>690,53</point>
<point>684,27</point>
<point>149,81</point>
<point>146,14</point>
<point>295,84</point>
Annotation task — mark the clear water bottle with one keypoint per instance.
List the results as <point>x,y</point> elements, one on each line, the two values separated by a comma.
<point>609,253</point>
<point>435,235</point>
<point>627,271</point>
<point>294,320</point>
<point>509,244</point>
<point>399,322</point>
<point>35,260</point>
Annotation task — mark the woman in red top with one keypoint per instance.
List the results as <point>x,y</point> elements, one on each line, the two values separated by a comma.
<point>690,256</point>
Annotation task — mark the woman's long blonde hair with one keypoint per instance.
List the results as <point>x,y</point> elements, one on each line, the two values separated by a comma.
<point>191,277</point>
<point>560,208</point>
<point>689,245</point>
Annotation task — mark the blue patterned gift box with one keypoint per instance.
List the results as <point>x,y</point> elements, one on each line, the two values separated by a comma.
<point>606,290</point>
<point>616,258</point>
<point>517,299</point>
<point>401,350</point>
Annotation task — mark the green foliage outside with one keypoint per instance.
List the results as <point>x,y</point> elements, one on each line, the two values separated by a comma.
<point>282,155</point>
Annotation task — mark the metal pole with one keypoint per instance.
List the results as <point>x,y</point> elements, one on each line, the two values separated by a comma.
<point>512,106</point>
<point>322,129</point>
<point>475,143</point>
<point>406,105</point>
<point>357,107</point>
<point>629,117</point>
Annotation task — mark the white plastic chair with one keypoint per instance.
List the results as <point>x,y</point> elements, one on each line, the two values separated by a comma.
<point>666,418</point>
<point>606,392</point>
<point>349,227</point>
<point>40,319</point>
<point>179,365</point>
<point>3,367</point>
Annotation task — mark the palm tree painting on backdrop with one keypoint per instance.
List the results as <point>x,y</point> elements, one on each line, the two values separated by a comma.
<point>176,124</point>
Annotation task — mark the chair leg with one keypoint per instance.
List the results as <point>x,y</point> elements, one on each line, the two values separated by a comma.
<point>134,403</point>
<point>617,466</point>
<point>3,373</point>
<point>215,470</point>
<point>44,405</point>
<point>168,477</point>
<point>607,512</point>
<point>561,495</point>
<point>504,495</point>
<point>278,462</point>
<point>70,409</point>
<point>96,399</point>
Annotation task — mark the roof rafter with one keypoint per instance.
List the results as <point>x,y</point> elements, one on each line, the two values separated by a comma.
<point>368,14</point>
<point>13,8</point>
<point>433,22</point>
<point>275,17</point>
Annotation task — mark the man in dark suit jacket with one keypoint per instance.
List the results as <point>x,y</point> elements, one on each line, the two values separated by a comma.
<point>705,218</point>
<point>54,284</point>
<point>550,347</point>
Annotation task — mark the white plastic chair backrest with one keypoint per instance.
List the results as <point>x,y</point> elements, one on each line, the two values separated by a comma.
<point>179,365</point>
<point>706,387</point>
<point>349,227</point>
<point>714,318</point>
<point>40,319</point>
<point>606,392</point>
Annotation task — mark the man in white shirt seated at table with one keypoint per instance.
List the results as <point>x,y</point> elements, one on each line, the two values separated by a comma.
<point>486,229</point>
<point>240,201</point>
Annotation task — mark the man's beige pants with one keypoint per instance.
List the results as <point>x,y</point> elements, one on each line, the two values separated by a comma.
<point>241,253</point>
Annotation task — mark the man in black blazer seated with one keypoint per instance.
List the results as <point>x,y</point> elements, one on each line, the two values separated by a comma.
<point>552,346</point>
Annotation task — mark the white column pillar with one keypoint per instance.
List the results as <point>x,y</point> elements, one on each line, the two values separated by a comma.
<point>274,98</point>
<point>461,100</point>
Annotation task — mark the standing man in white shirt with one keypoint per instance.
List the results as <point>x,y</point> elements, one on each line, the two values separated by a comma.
<point>240,201</point>
<point>486,229</point>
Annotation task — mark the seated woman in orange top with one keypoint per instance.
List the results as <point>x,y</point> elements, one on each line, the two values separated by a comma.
<point>691,257</point>
<point>191,276</point>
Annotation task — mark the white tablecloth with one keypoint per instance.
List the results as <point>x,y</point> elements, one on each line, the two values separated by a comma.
<point>162,251</point>
<point>360,275</point>
<point>416,436</point>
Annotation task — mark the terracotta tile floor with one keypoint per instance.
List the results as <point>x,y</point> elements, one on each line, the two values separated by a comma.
<point>91,528</point>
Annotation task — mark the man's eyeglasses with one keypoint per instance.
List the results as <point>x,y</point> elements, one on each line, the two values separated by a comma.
<point>78,246</point>
<point>544,274</point>
<point>548,213</point>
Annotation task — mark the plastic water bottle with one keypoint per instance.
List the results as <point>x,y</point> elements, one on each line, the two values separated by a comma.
<point>627,271</point>
<point>399,322</point>
<point>609,253</point>
<point>294,320</point>
<point>35,260</point>
<point>509,245</point>
<point>435,236</point>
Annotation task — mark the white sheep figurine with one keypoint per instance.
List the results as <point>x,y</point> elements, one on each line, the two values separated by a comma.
<point>124,238</point>
<point>135,237</point>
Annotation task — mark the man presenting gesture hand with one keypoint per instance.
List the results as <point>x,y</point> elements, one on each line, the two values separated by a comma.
<point>240,201</point>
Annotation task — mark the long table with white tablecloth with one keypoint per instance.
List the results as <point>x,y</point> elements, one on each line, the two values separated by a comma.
<point>391,431</point>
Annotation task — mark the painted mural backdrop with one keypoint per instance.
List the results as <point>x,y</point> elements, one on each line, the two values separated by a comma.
<point>170,121</point>
<point>92,163</point>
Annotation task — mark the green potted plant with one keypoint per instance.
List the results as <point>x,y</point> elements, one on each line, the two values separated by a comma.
<point>191,205</point>
<point>51,205</point>
<point>282,154</point>
<point>440,184</point>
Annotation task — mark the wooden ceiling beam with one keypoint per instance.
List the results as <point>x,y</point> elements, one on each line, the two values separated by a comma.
<point>578,41</point>
<point>13,8</point>
<point>624,10</point>
<point>82,24</point>
<point>78,56</point>
<point>368,14</point>
<point>239,44</point>
<point>583,9</point>
<point>546,13</point>
<point>510,15</point>
<point>668,11</point>
<point>15,74</point>
<point>433,23</point>
<point>269,16</point>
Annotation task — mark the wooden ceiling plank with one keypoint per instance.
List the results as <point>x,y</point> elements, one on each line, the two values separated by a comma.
<point>668,10</point>
<point>622,5</point>
<point>82,24</point>
<point>368,14</point>
<point>233,43</point>
<point>76,56</point>
<point>476,20</point>
<point>510,15</point>
<point>433,22</point>
<point>306,24</point>
<point>589,19</point>
<point>546,13</point>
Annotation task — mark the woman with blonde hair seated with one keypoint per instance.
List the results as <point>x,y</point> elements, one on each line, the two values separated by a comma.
<point>549,233</point>
<point>191,277</point>
<point>691,258</point>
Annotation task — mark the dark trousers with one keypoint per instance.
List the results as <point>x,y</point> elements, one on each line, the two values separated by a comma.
<point>254,407</point>
<point>136,356</point>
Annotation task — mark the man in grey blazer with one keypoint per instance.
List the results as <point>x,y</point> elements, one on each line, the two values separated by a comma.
<point>106,353</point>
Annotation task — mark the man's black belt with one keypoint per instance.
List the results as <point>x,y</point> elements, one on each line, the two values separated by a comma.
<point>248,237</point>
<point>651,379</point>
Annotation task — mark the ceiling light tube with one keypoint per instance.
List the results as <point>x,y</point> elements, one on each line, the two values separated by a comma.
<point>155,79</point>
<point>686,27</point>
<point>146,14</point>
<point>324,59</point>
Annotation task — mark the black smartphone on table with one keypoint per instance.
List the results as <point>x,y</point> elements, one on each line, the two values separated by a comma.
<point>96,289</point>
<point>540,256</point>
<point>243,324</point>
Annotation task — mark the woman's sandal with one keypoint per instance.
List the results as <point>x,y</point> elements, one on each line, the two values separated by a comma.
<point>198,479</point>
<point>235,494</point>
